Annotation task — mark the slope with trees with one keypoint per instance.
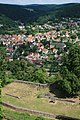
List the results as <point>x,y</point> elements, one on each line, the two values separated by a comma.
<point>70,72</point>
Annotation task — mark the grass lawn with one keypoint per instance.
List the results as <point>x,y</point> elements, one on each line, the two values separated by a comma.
<point>13,115</point>
<point>28,99</point>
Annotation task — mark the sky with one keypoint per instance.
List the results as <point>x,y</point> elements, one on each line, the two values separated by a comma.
<point>25,2</point>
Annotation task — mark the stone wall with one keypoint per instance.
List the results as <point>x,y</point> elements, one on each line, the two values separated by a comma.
<point>32,83</point>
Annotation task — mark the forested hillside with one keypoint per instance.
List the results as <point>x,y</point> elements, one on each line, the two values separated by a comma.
<point>31,13</point>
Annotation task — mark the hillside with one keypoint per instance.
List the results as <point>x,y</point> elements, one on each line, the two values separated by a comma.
<point>68,10</point>
<point>31,13</point>
<point>19,13</point>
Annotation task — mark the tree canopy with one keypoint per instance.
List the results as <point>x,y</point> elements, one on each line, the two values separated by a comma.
<point>70,71</point>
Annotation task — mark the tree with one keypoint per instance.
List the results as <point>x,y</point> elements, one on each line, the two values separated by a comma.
<point>53,64</point>
<point>40,76</point>
<point>73,58</point>
<point>34,49</point>
<point>2,65</point>
<point>64,72</point>
<point>73,37</point>
<point>2,78</point>
<point>65,87</point>
<point>77,71</point>
<point>1,112</point>
<point>70,72</point>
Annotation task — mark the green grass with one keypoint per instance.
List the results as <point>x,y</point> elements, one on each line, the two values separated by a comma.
<point>29,100</point>
<point>13,115</point>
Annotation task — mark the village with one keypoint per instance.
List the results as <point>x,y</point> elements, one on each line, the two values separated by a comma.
<point>42,43</point>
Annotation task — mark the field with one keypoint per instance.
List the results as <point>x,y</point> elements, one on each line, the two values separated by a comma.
<point>14,115</point>
<point>28,98</point>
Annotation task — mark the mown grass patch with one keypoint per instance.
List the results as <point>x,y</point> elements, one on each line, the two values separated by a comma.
<point>28,99</point>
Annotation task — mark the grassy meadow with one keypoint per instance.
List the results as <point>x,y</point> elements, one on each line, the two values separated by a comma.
<point>28,98</point>
<point>14,115</point>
